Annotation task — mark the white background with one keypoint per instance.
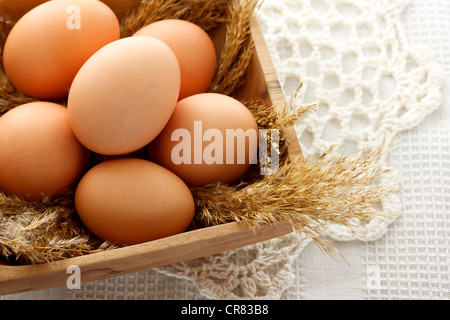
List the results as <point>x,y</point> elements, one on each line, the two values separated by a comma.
<point>412,260</point>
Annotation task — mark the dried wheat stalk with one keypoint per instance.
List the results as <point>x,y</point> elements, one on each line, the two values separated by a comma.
<point>306,192</point>
<point>44,231</point>
<point>205,13</point>
<point>237,51</point>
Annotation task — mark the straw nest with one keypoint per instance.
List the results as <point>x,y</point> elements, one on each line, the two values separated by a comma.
<point>306,192</point>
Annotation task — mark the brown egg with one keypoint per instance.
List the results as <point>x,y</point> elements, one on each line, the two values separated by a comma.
<point>194,50</point>
<point>128,201</point>
<point>209,138</point>
<point>15,9</point>
<point>39,152</point>
<point>48,45</point>
<point>124,95</point>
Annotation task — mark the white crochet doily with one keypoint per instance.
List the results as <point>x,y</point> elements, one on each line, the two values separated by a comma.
<point>369,84</point>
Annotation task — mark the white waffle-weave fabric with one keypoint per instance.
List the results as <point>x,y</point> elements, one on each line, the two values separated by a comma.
<point>375,70</point>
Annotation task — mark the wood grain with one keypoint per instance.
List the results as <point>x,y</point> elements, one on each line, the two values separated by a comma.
<point>261,82</point>
<point>181,247</point>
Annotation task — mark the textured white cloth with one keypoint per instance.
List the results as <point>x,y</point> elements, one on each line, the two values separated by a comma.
<point>412,260</point>
<point>369,67</point>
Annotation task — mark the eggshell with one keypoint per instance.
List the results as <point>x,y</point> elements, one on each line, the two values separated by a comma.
<point>15,9</point>
<point>39,154</point>
<point>124,95</point>
<point>194,50</point>
<point>194,144</point>
<point>48,45</point>
<point>128,201</point>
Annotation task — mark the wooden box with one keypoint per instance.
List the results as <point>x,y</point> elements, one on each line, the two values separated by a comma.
<point>261,82</point>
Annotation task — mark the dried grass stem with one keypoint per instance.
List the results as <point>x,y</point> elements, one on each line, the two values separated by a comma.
<point>306,192</point>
